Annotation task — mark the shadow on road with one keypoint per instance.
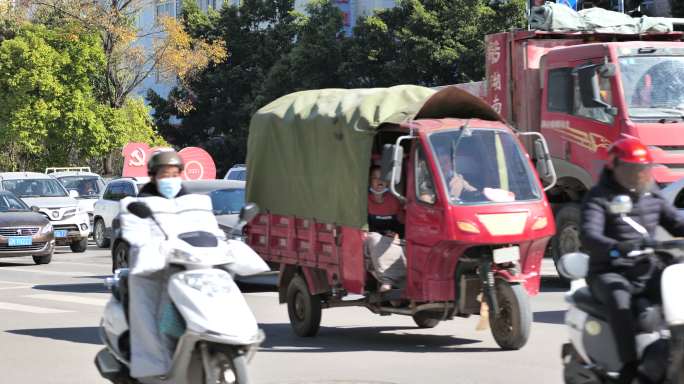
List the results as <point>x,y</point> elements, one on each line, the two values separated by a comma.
<point>553,284</point>
<point>549,317</point>
<point>4,264</point>
<point>83,335</point>
<point>74,288</point>
<point>279,338</point>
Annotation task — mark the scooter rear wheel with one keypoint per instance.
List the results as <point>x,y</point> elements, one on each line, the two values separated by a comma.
<point>303,308</point>
<point>511,326</point>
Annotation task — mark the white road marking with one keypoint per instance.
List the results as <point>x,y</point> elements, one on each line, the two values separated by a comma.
<point>29,308</point>
<point>69,299</point>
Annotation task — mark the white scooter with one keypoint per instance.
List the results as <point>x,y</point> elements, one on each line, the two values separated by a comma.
<point>217,333</point>
<point>592,357</point>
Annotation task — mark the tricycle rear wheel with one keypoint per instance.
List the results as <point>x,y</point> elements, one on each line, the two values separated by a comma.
<point>511,326</point>
<point>303,308</point>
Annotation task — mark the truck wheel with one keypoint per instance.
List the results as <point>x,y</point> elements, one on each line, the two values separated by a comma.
<point>422,320</point>
<point>42,259</point>
<point>511,326</point>
<point>567,238</point>
<point>303,308</point>
<point>120,256</point>
<point>99,234</point>
<point>79,246</point>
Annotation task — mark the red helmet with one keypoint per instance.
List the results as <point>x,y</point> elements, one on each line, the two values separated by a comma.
<point>630,151</point>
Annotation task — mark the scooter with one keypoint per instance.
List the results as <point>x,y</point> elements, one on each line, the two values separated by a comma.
<point>591,356</point>
<point>215,332</point>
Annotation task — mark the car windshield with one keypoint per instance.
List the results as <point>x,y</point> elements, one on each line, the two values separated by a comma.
<point>89,187</point>
<point>35,188</point>
<point>9,203</point>
<point>483,166</point>
<point>653,85</point>
<point>228,201</point>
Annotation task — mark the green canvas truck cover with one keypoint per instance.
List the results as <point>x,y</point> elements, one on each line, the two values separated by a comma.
<point>309,152</point>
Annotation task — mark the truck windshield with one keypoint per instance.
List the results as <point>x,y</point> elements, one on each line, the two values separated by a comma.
<point>481,166</point>
<point>35,188</point>
<point>653,85</point>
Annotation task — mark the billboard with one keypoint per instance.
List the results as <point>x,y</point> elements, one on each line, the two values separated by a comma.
<point>198,163</point>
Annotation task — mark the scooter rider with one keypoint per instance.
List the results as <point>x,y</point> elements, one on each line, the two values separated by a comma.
<point>164,169</point>
<point>613,277</point>
<point>150,349</point>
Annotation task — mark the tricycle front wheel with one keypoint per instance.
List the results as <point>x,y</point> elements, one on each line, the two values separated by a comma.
<point>303,308</point>
<point>511,326</point>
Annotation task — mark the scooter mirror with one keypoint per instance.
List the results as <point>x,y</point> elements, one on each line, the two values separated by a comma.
<point>574,266</point>
<point>620,205</point>
<point>139,209</point>
<point>249,212</point>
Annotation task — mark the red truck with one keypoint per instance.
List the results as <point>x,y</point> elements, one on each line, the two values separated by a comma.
<point>582,91</point>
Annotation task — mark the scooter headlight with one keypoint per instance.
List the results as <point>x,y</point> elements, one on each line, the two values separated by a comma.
<point>178,255</point>
<point>209,284</point>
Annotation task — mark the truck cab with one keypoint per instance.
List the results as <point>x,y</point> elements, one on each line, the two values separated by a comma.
<point>582,91</point>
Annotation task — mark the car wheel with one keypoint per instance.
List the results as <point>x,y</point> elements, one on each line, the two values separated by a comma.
<point>43,259</point>
<point>120,256</point>
<point>79,246</point>
<point>99,234</point>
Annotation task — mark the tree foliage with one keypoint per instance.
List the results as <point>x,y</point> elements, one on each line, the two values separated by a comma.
<point>275,51</point>
<point>133,51</point>
<point>49,109</point>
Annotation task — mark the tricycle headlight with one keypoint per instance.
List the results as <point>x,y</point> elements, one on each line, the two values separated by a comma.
<point>209,284</point>
<point>46,229</point>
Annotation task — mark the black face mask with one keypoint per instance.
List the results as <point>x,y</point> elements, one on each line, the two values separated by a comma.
<point>636,178</point>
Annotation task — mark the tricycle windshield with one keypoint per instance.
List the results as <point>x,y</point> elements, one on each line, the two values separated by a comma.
<point>483,166</point>
<point>653,85</point>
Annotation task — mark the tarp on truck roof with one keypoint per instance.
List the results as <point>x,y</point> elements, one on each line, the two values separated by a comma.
<point>308,153</point>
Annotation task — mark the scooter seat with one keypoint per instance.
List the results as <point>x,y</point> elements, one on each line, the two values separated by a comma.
<point>585,301</point>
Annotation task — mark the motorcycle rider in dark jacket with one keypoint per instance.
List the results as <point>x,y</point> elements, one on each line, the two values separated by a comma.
<point>613,277</point>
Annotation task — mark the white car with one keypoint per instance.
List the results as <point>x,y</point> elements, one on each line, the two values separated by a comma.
<point>237,172</point>
<point>107,207</point>
<point>70,221</point>
<point>89,186</point>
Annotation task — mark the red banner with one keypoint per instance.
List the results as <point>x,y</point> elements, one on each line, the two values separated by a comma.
<point>198,163</point>
<point>497,73</point>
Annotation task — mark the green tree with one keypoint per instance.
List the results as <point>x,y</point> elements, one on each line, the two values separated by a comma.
<point>256,35</point>
<point>49,112</point>
<point>315,59</point>
<point>427,42</point>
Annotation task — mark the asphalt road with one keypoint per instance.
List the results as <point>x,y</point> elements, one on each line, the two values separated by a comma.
<point>50,314</point>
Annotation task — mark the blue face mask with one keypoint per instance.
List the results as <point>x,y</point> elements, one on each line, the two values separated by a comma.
<point>169,187</point>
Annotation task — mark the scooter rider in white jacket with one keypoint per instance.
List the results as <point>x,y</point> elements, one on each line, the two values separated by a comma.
<point>151,351</point>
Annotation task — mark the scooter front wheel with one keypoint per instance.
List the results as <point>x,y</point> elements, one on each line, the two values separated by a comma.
<point>511,326</point>
<point>236,373</point>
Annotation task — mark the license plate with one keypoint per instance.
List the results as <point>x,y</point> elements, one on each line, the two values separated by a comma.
<point>61,233</point>
<point>506,255</point>
<point>18,241</point>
